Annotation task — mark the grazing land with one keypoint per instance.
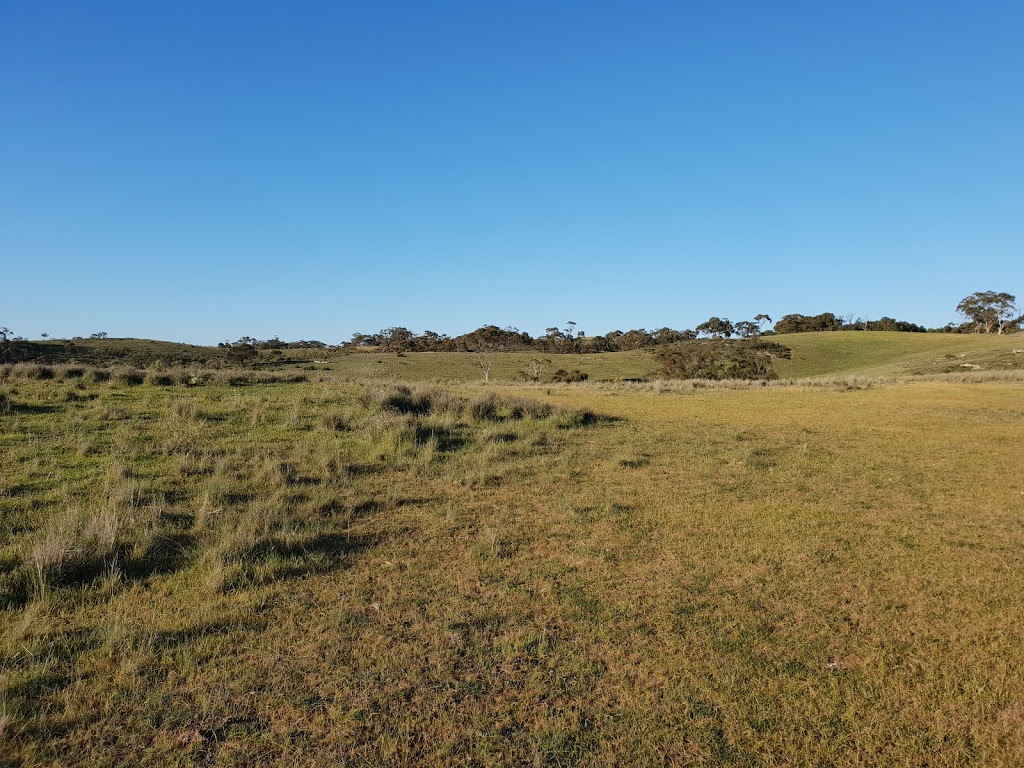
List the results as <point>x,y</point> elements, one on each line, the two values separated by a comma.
<point>815,355</point>
<point>325,566</point>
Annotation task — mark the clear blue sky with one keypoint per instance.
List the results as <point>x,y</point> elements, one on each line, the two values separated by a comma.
<point>199,171</point>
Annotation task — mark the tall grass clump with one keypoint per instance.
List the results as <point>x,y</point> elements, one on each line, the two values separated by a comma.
<point>75,546</point>
<point>37,371</point>
<point>129,377</point>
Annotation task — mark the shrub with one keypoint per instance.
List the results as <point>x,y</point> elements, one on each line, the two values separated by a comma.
<point>721,359</point>
<point>130,377</point>
<point>38,372</point>
<point>159,379</point>
<point>519,408</point>
<point>486,408</point>
<point>575,419</point>
<point>567,377</point>
<point>333,422</point>
<point>402,399</point>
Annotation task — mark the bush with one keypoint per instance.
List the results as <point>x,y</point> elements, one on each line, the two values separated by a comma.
<point>567,377</point>
<point>485,409</point>
<point>41,372</point>
<point>160,379</point>
<point>721,359</point>
<point>130,377</point>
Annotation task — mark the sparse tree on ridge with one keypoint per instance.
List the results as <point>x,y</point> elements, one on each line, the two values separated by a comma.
<point>716,328</point>
<point>747,329</point>
<point>989,311</point>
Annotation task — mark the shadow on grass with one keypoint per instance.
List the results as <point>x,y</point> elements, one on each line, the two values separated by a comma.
<point>12,406</point>
<point>446,440</point>
<point>274,560</point>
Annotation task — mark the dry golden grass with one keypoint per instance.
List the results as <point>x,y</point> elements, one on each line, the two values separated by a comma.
<point>327,575</point>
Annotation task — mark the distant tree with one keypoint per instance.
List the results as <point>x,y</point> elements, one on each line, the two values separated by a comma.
<point>885,324</point>
<point>716,328</point>
<point>6,345</point>
<point>44,335</point>
<point>762,319</point>
<point>12,347</point>
<point>667,336</point>
<point>485,342</point>
<point>243,351</point>
<point>797,323</point>
<point>98,335</point>
<point>485,359</point>
<point>638,338</point>
<point>431,341</point>
<point>535,368</point>
<point>748,329</point>
<point>397,339</point>
<point>989,311</point>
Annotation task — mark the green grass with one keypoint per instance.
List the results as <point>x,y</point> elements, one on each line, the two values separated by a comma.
<point>878,353</point>
<point>465,366</point>
<point>847,353</point>
<point>357,573</point>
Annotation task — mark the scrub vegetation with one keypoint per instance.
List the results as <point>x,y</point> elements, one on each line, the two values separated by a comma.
<point>333,567</point>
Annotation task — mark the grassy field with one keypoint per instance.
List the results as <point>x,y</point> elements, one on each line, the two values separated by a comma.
<point>879,353</point>
<point>845,353</point>
<point>360,573</point>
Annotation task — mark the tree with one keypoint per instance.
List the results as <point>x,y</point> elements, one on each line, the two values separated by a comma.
<point>485,342</point>
<point>989,311</point>
<point>397,339</point>
<point>747,329</point>
<point>12,347</point>
<point>797,323</point>
<point>717,328</point>
<point>243,351</point>
<point>536,367</point>
<point>6,336</point>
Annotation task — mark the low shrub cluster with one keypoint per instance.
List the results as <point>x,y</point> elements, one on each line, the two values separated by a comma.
<point>718,359</point>
<point>568,377</point>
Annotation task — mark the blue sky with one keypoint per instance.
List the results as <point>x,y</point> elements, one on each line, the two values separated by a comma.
<point>202,171</point>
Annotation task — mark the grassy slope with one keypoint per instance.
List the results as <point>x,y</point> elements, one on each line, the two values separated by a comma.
<point>847,353</point>
<point>464,366</point>
<point>814,355</point>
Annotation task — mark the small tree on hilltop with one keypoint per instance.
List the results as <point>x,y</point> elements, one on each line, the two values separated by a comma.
<point>989,311</point>
<point>243,351</point>
<point>716,328</point>
<point>747,329</point>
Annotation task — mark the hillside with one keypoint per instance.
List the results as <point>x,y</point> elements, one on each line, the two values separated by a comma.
<point>842,353</point>
<point>879,353</point>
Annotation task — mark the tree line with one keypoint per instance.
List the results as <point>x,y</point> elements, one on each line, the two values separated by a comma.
<point>984,312</point>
